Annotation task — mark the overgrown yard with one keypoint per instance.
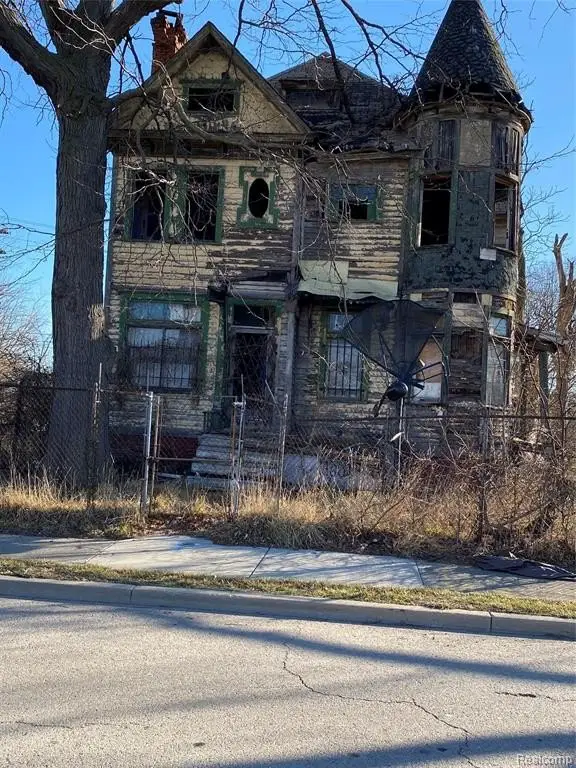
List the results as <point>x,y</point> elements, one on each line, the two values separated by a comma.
<point>435,514</point>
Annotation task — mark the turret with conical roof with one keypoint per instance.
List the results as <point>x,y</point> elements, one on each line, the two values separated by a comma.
<point>466,58</point>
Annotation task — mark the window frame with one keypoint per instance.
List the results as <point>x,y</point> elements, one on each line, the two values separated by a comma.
<point>499,345</point>
<point>214,85</point>
<point>181,233</point>
<point>246,177</point>
<point>200,326</point>
<point>506,148</point>
<point>512,214</point>
<point>432,160</point>
<point>337,195</point>
<point>329,336</point>
<point>431,177</point>
<point>130,182</point>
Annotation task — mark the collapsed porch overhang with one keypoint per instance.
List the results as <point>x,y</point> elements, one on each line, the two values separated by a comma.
<point>331,279</point>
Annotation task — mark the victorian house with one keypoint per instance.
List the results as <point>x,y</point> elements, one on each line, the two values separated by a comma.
<point>254,217</point>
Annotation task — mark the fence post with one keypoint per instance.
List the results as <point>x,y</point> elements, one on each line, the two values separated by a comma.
<point>155,451</point>
<point>237,449</point>
<point>92,447</point>
<point>147,446</point>
<point>281,451</point>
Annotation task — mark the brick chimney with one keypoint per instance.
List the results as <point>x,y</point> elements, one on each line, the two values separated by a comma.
<point>168,38</point>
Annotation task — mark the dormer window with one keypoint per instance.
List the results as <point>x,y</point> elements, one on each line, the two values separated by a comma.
<point>209,97</point>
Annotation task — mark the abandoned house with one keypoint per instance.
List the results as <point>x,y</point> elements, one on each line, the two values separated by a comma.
<point>253,217</point>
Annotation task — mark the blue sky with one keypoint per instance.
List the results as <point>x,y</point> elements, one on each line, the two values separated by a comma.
<point>541,48</point>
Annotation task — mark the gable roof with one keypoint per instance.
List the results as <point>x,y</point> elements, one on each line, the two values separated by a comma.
<point>465,53</point>
<point>320,69</point>
<point>210,36</point>
<point>314,92</point>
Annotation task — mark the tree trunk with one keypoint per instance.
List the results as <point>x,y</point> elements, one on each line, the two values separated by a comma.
<point>74,450</point>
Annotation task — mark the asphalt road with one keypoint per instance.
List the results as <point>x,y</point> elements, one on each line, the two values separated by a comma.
<point>84,686</point>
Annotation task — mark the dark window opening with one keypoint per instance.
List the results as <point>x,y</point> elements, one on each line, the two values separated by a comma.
<point>504,215</point>
<point>221,98</point>
<point>350,210</point>
<point>252,316</point>
<point>464,298</point>
<point>258,198</point>
<point>355,202</point>
<point>149,196</point>
<point>202,206</point>
<point>435,222</point>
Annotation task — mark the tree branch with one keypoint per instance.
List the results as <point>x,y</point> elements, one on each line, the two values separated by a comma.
<point>130,12</point>
<point>42,66</point>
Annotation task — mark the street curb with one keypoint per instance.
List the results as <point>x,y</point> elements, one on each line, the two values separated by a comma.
<point>287,607</point>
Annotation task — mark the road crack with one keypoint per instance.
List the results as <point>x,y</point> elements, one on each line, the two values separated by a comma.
<point>529,695</point>
<point>412,702</point>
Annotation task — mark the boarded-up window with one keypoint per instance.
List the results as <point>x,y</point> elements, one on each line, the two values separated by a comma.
<point>440,151</point>
<point>505,204</point>
<point>506,147</point>
<point>430,373</point>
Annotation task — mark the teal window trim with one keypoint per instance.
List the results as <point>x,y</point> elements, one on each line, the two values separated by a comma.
<point>326,337</point>
<point>180,233</point>
<point>231,302</point>
<point>352,193</point>
<point>171,297</point>
<point>129,200</point>
<point>244,218</point>
<point>216,85</point>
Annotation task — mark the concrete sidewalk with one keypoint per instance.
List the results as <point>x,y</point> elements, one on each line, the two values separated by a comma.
<point>186,554</point>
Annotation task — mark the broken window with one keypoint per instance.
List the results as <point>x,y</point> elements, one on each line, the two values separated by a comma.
<point>253,316</point>
<point>430,373</point>
<point>506,147</point>
<point>258,198</point>
<point>148,206</point>
<point>344,364</point>
<point>439,154</point>
<point>202,214</point>
<point>163,345</point>
<point>435,218</point>
<point>217,97</point>
<point>355,202</point>
<point>498,361</point>
<point>504,215</point>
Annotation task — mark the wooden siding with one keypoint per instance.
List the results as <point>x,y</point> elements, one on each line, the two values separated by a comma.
<point>256,113</point>
<point>190,267</point>
<point>372,248</point>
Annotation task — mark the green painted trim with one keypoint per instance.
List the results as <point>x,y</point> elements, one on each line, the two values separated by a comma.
<point>180,234</point>
<point>215,84</point>
<point>220,350</point>
<point>129,207</point>
<point>272,214</point>
<point>325,336</point>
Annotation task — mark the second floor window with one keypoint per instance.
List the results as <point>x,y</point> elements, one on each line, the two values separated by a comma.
<point>504,215</point>
<point>435,216</point>
<point>148,207</point>
<point>354,202</point>
<point>202,206</point>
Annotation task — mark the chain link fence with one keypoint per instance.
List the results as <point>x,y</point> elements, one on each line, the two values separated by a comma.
<point>525,463</point>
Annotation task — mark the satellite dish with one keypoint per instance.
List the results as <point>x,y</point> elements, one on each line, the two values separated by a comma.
<point>393,334</point>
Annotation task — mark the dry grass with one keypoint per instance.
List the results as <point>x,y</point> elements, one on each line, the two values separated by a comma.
<point>430,598</point>
<point>433,515</point>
